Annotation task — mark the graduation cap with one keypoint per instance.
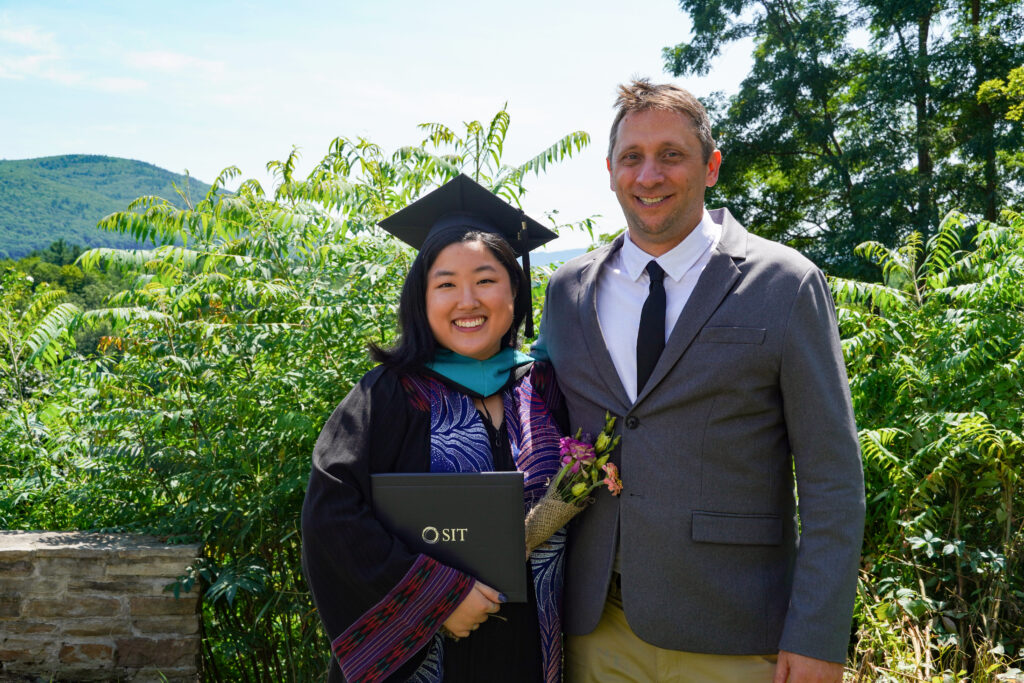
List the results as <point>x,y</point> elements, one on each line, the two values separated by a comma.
<point>462,203</point>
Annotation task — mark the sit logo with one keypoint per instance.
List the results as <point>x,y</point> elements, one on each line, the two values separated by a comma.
<point>432,534</point>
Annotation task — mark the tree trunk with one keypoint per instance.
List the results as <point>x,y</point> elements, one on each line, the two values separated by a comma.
<point>986,126</point>
<point>925,169</point>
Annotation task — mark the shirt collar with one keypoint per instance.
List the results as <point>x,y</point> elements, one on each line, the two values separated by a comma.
<point>680,258</point>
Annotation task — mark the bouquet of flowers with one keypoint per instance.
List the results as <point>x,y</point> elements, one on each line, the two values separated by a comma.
<point>585,467</point>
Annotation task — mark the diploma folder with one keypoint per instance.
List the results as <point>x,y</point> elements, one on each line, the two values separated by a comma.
<point>472,521</point>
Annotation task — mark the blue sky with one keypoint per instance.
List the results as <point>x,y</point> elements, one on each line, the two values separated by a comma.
<point>203,85</point>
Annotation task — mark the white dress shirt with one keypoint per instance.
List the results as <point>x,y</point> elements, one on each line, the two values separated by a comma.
<point>623,284</point>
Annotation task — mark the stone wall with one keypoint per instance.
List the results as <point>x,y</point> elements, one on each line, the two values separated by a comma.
<point>88,607</point>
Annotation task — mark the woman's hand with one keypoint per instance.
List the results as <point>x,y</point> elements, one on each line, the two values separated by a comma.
<point>480,603</point>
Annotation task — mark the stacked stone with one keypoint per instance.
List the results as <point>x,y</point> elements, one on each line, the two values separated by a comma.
<point>88,607</point>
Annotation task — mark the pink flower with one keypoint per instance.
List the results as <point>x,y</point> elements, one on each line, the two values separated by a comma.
<point>582,463</point>
<point>578,450</point>
<point>612,481</point>
<point>614,485</point>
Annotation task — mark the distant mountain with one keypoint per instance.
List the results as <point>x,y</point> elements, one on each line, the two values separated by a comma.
<point>543,258</point>
<point>63,197</point>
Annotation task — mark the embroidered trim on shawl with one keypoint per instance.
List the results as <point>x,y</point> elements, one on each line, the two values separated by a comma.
<point>417,393</point>
<point>402,623</point>
<point>542,379</point>
<point>534,437</point>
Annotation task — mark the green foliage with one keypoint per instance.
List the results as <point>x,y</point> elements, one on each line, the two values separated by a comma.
<point>934,356</point>
<point>1009,93</point>
<point>34,338</point>
<point>33,326</point>
<point>59,253</point>
<point>478,154</point>
<point>1006,99</point>
<point>227,349</point>
<point>834,140</point>
<point>55,268</point>
<point>63,197</point>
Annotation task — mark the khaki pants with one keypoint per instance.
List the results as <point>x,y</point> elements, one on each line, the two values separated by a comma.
<point>612,653</point>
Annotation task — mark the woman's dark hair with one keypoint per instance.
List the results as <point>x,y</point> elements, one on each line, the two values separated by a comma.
<point>416,345</point>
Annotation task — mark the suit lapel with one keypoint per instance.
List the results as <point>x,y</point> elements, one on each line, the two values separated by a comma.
<point>714,284</point>
<point>597,347</point>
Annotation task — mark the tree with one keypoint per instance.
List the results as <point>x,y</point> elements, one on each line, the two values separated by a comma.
<point>59,253</point>
<point>934,354</point>
<point>1009,93</point>
<point>478,154</point>
<point>1006,98</point>
<point>830,142</point>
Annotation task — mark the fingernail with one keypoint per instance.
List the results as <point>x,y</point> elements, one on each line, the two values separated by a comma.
<point>502,597</point>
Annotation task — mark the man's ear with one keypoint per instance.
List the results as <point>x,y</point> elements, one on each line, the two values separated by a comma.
<point>714,164</point>
<point>611,181</point>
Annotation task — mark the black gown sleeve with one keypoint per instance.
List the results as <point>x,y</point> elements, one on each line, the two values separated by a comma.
<point>380,603</point>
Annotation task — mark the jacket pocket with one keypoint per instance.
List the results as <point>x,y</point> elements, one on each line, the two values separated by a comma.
<point>730,528</point>
<point>732,335</point>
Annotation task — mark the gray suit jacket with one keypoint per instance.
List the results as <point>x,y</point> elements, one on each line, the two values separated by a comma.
<point>750,389</point>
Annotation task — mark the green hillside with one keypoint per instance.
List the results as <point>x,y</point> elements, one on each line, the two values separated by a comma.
<point>50,198</point>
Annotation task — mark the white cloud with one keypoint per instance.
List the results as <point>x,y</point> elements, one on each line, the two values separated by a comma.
<point>28,53</point>
<point>174,62</point>
<point>118,84</point>
<point>25,51</point>
<point>26,36</point>
<point>20,67</point>
<point>48,68</point>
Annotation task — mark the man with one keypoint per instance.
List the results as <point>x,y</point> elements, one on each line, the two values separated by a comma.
<point>708,573</point>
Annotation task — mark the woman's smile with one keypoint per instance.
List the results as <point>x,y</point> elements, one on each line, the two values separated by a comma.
<point>469,300</point>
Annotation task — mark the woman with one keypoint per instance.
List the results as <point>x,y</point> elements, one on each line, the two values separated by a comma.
<point>451,396</point>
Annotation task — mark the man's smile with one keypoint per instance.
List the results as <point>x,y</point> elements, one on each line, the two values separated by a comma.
<point>651,201</point>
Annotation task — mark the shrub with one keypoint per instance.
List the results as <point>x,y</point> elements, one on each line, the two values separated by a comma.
<point>934,355</point>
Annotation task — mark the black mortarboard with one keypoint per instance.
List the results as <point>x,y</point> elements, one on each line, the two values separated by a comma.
<point>462,203</point>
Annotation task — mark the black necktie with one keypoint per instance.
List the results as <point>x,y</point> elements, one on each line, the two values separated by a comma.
<point>650,339</point>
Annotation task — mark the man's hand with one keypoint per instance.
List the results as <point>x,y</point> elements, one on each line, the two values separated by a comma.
<point>480,603</point>
<point>794,668</point>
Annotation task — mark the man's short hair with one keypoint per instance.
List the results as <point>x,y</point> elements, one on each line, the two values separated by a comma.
<point>642,95</point>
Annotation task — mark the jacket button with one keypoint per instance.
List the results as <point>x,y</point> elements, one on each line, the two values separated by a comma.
<point>632,422</point>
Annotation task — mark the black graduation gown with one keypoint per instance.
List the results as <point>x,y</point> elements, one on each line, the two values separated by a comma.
<point>354,566</point>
